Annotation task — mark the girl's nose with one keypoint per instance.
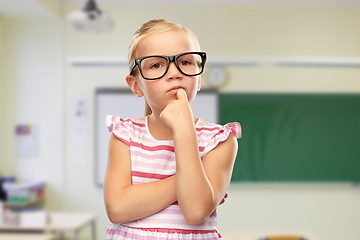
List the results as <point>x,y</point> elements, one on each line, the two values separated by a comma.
<point>173,72</point>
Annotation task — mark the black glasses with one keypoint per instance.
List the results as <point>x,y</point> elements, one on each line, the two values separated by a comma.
<point>156,66</point>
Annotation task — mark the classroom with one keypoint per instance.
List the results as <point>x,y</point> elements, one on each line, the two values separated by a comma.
<point>302,54</point>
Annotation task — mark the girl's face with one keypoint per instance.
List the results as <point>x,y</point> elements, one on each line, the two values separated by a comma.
<point>160,92</point>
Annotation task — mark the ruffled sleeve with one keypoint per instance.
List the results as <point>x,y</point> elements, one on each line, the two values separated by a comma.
<point>122,128</point>
<point>217,134</point>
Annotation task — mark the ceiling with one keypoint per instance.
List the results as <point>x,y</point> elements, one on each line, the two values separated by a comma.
<point>22,8</point>
<point>32,8</point>
<point>271,2</point>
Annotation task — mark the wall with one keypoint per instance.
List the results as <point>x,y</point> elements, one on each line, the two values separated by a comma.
<point>1,95</point>
<point>34,95</point>
<point>52,6</point>
<point>43,90</point>
<point>329,211</point>
<point>7,167</point>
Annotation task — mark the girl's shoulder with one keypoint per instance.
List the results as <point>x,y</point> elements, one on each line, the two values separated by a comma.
<point>210,134</point>
<point>212,129</point>
<point>123,128</point>
<point>112,122</point>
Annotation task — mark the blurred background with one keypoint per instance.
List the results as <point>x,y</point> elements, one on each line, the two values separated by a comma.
<point>49,72</point>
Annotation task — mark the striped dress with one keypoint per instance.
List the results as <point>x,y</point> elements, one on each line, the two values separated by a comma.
<point>152,160</point>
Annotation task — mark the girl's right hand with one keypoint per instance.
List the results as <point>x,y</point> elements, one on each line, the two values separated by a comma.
<point>223,200</point>
<point>177,114</point>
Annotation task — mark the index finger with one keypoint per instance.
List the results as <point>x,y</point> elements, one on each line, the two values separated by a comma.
<point>181,94</point>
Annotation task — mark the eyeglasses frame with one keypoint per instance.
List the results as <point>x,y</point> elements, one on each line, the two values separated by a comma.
<point>169,59</point>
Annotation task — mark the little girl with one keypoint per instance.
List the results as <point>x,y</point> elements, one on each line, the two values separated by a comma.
<point>168,171</point>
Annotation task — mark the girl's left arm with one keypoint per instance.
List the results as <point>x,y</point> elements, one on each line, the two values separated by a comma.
<point>200,184</point>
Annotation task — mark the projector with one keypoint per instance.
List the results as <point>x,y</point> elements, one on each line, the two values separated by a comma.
<point>90,19</point>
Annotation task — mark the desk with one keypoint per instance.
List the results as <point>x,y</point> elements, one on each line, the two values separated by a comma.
<point>71,221</point>
<point>26,236</point>
<point>58,224</point>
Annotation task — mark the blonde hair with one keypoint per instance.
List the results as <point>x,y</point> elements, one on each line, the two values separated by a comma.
<point>153,27</point>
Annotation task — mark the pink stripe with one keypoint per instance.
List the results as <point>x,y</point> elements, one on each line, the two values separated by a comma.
<point>130,120</point>
<point>127,235</point>
<point>147,236</point>
<point>205,134</point>
<point>167,230</point>
<point>178,211</point>
<point>140,130</point>
<point>207,129</point>
<point>149,175</point>
<point>154,165</point>
<point>173,221</point>
<point>156,148</point>
<point>218,133</point>
<point>236,130</point>
<point>170,211</point>
<point>134,182</point>
<point>139,124</point>
<point>156,156</point>
<point>214,214</point>
<point>171,231</point>
<point>114,118</point>
<point>122,122</point>
<point>215,143</point>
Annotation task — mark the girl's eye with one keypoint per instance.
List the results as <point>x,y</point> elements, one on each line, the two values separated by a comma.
<point>184,63</point>
<point>156,65</point>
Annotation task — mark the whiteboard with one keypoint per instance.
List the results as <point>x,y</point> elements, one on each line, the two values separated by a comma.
<point>123,103</point>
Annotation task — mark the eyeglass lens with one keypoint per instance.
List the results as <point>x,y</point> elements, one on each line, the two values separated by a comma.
<point>155,67</point>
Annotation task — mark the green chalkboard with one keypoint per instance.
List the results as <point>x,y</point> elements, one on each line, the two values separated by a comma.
<point>295,137</point>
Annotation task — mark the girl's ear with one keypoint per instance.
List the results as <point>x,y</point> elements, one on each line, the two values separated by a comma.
<point>134,85</point>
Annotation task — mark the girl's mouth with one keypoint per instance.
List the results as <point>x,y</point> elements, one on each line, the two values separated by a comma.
<point>174,90</point>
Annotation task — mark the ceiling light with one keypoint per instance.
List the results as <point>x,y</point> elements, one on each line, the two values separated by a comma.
<point>90,19</point>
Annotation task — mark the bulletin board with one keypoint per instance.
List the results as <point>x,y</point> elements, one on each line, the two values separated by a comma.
<point>295,137</point>
<point>123,103</point>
